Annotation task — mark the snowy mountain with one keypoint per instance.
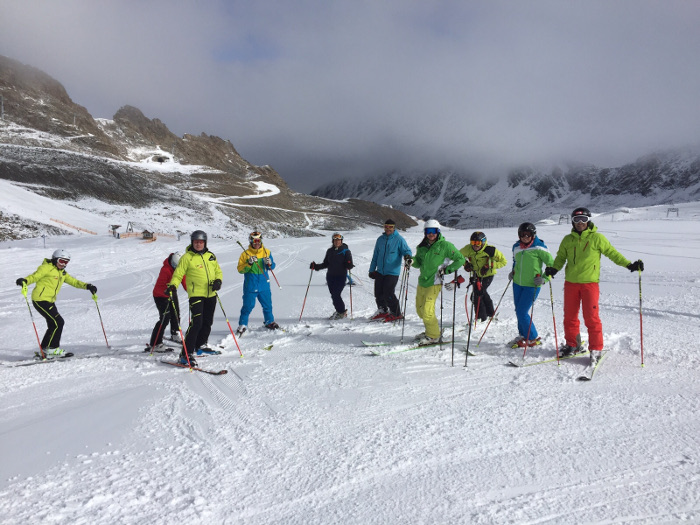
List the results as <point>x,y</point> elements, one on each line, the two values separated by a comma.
<point>469,200</point>
<point>54,147</point>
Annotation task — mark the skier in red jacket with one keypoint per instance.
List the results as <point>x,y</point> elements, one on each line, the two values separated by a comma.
<point>167,313</point>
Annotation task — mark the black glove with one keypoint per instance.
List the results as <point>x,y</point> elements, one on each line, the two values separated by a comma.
<point>92,288</point>
<point>550,271</point>
<point>484,270</point>
<point>349,266</point>
<point>408,259</point>
<point>511,275</point>
<point>374,275</point>
<point>216,284</point>
<point>468,267</point>
<point>21,281</point>
<point>312,266</point>
<point>170,289</point>
<point>632,267</point>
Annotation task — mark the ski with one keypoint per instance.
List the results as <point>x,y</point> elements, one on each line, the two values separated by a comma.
<point>520,363</point>
<point>371,343</point>
<point>211,372</point>
<point>158,351</point>
<point>588,372</point>
<point>268,347</point>
<point>38,360</point>
<point>401,349</point>
<point>207,352</point>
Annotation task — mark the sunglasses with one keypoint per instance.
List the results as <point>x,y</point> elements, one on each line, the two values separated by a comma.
<point>431,231</point>
<point>579,219</point>
<point>389,227</point>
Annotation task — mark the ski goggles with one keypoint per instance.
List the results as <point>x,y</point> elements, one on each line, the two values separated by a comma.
<point>337,237</point>
<point>523,235</point>
<point>579,219</point>
<point>255,236</point>
<point>389,227</point>
<point>62,262</point>
<point>431,231</point>
<point>476,244</point>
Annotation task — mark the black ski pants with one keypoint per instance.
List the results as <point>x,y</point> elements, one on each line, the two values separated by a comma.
<point>483,305</point>
<point>201,318</point>
<point>336,283</point>
<point>385,293</point>
<point>165,317</point>
<point>54,324</point>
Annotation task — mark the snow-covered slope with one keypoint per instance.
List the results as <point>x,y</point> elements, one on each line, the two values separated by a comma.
<point>316,431</point>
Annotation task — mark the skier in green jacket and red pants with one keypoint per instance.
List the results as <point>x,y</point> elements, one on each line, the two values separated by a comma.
<point>580,251</point>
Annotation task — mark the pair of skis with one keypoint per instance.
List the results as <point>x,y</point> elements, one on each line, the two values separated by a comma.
<point>400,349</point>
<point>586,375</point>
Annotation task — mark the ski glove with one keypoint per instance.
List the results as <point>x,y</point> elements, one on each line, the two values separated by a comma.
<point>216,284</point>
<point>441,273</point>
<point>374,275</point>
<point>550,271</point>
<point>458,281</point>
<point>484,270</point>
<point>511,275</point>
<point>92,288</point>
<point>468,267</point>
<point>252,260</point>
<point>170,289</point>
<point>408,259</point>
<point>632,267</point>
<point>267,262</point>
<point>21,281</point>
<point>538,280</point>
<point>312,266</point>
<point>349,266</point>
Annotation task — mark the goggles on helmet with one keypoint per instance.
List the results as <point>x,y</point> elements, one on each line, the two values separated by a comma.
<point>577,219</point>
<point>431,231</point>
<point>255,236</point>
<point>337,237</point>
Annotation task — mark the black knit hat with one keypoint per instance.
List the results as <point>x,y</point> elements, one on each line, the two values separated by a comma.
<point>390,221</point>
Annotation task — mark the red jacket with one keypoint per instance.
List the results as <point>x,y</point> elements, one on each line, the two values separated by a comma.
<point>166,273</point>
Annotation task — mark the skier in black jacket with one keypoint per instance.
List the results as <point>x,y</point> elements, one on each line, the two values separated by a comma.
<point>338,261</point>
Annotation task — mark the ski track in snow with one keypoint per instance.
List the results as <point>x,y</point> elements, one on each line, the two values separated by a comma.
<point>318,431</point>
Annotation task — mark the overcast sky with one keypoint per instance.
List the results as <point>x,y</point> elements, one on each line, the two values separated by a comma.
<point>322,89</point>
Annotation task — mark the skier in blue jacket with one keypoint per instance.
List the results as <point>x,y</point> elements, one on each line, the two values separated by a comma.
<point>385,268</point>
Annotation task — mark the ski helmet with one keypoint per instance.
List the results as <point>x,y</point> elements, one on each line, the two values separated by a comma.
<point>431,224</point>
<point>527,227</point>
<point>580,212</point>
<point>254,236</point>
<point>174,259</point>
<point>478,237</point>
<point>198,235</point>
<point>61,254</point>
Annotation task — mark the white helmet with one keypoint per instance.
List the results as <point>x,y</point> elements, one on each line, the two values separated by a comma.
<point>432,223</point>
<point>60,254</point>
<point>174,259</point>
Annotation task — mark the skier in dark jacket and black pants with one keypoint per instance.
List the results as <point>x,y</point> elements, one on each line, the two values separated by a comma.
<point>338,260</point>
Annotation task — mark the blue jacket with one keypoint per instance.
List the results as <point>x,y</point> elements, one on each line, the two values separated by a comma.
<point>388,252</point>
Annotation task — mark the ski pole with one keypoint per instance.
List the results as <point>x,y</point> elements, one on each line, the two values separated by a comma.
<point>469,338</point>
<point>641,331</point>
<point>182,336</point>
<point>307,293</point>
<point>407,268</point>
<point>454,311</point>
<point>442,285</point>
<point>350,274</point>
<point>494,313</point>
<point>24,292</point>
<point>245,250</point>
<point>94,298</point>
<point>228,323</point>
<point>554,321</point>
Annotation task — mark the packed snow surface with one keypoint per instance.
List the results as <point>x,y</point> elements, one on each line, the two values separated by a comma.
<point>317,431</point>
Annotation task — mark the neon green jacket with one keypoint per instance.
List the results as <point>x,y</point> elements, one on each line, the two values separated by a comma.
<point>488,257</point>
<point>430,257</point>
<point>581,254</point>
<point>49,279</point>
<point>201,270</point>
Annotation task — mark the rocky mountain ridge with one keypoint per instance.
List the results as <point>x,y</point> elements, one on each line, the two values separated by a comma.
<point>53,146</point>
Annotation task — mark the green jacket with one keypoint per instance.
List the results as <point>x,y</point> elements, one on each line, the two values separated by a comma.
<point>528,262</point>
<point>488,257</point>
<point>581,254</point>
<point>49,279</point>
<point>200,269</point>
<point>430,257</point>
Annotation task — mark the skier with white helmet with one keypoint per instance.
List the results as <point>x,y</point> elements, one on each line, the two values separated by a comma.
<point>435,257</point>
<point>168,313</point>
<point>204,279</point>
<point>49,277</point>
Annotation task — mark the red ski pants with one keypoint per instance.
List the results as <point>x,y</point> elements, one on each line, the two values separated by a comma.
<point>585,295</point>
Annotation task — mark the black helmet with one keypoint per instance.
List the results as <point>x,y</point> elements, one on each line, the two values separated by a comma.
<point>198,235</point>
<point>581,211</point>
<point>527,227</point>
<point>478,236</point>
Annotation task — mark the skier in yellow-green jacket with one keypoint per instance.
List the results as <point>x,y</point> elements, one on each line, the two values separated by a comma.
<point>49,277</point>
